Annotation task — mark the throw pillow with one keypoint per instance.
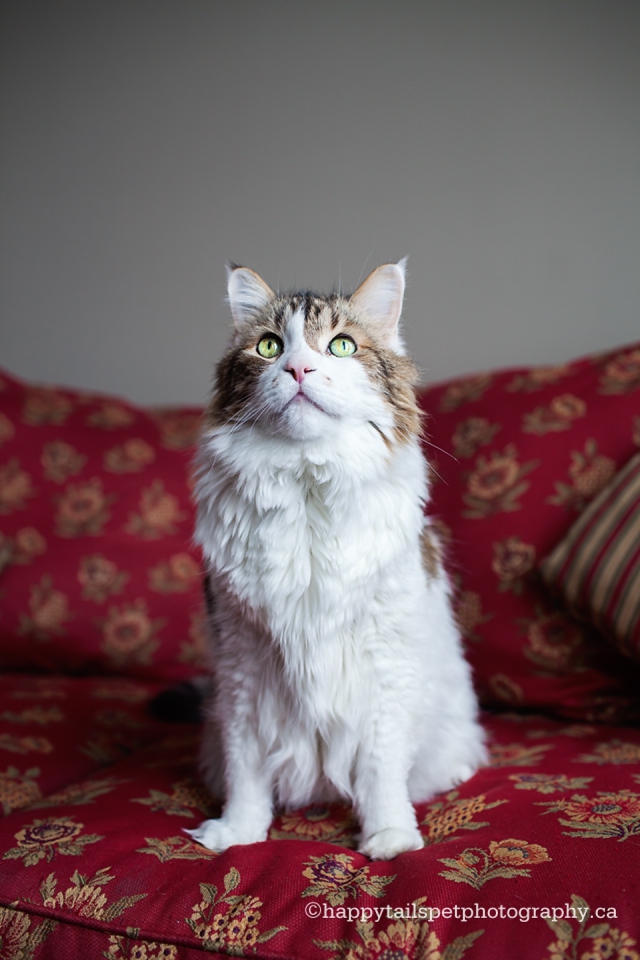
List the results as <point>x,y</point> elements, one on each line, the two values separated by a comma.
<point>596,567</point>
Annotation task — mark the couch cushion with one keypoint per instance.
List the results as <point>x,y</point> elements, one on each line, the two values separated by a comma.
<point>95,544</point>
<point>553,824</point>
<point>516,456</point>
<point>596,567</point>
<point>63,733</point>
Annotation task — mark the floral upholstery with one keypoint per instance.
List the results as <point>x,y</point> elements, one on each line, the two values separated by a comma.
<point>535,856</point>
<point>516,457</point>
<point>95,521</point>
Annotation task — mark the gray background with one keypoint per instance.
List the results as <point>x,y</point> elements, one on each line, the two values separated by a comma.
<point>145,142</point>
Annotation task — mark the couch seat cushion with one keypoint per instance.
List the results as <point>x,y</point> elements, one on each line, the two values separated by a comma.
<point>63,733</point>
<point>553,824</point>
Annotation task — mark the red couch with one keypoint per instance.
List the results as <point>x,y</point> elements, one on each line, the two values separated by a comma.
<point>100,609</point>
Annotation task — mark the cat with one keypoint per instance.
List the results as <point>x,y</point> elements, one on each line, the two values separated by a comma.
<point>338,669</point>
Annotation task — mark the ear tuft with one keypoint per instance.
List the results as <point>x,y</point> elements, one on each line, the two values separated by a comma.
<point>380,297</point>
<point>247,293</point>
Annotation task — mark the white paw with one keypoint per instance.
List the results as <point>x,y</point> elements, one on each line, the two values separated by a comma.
<point>218,835</point>
<point>387,844</point>
<point>463,773</point>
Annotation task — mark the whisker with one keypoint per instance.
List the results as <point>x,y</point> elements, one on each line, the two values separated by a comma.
<point>440,449</point>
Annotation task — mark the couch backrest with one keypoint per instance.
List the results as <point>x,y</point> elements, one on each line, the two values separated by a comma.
<point>98,571</point>
<point>516,456</point>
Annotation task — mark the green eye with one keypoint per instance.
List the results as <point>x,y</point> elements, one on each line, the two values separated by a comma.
<point>342,347</point>
<point>269,347</point>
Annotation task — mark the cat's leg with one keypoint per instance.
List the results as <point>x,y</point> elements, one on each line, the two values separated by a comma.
<point>381,795</point>
<point>247,811</point>
<point>387,816</point>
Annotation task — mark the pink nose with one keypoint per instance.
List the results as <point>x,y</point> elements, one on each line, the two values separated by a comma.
<point>298,371</point>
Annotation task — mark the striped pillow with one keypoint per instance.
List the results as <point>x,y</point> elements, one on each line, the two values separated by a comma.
<point>596,567</point>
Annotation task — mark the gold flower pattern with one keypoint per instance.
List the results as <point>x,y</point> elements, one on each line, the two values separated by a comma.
<point>589,473</point>
<point>130,634</point>
<point>46,838</point>
<point>558,415</point>
<point>497,484</point>
<point>83,509</point>
<point>27,545</point>
<point>175,575</point>
<point>48,611</point>
<point>403,938</point>
<point>100,578</point>
<point>43,405</point>
<point>229,921</point>
<point>158,513</point>
<point>187,798</point>
<point>131,457</point>
<point>175,848</point>
<point>86,897</point>
<point>469,615</point>
<point>503,859</point>
<point>21,935</point>
<point>16,487</point>
<point>464,391</point>
<point>555,642</point>
<point>537,378</point>
<point>60,461</point>
<point>549,782</point>
<point>471,434</point>
<point>179,430</point>
<point>607,942</point>
<point>622,373</point>
<point>512,561</point>
<point>612,751</point>
<point>447,816</point>
<point>17,789</point>
<point>334,824</point>
<point>334,877</point>
<point>613,815</point>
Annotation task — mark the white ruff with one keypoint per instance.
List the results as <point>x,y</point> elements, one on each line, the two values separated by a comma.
<point>338,666</point>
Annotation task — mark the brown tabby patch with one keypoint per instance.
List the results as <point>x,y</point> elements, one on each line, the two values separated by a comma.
<point>430,550</point>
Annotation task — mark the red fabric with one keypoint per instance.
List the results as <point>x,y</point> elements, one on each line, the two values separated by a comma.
<point>95,535</point>
<point>556,817</point>
<point>516,456</point>
<point>57,731</point>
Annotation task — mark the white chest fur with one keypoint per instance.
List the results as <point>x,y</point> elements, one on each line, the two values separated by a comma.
<point>304,534</point>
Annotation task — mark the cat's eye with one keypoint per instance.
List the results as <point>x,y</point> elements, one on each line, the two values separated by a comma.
<point>342,346</point>
<point>269,347</point>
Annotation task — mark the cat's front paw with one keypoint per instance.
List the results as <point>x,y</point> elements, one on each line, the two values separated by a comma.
<point>219,835</point>
<point>387,844</point>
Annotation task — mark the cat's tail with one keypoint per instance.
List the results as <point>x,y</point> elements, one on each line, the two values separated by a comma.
<point>183,702</point>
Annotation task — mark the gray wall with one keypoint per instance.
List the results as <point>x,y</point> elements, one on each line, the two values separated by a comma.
<point>145,142</point>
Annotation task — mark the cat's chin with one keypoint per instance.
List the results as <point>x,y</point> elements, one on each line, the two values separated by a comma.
<point>303,421</point>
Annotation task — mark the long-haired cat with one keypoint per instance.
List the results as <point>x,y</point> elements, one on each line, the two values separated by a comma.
<point>338,670</point>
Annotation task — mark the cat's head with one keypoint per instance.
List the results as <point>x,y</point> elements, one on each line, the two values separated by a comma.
<point>299,363</point>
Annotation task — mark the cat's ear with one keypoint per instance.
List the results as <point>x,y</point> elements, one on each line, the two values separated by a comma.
<point>379,298</point>
<point>247,293</point>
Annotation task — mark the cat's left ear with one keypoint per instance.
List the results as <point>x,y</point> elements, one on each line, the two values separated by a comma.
<point>248,295</point>
<point>379,298</point>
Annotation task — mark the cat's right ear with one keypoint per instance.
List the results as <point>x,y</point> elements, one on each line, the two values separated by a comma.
<point>247,293</point>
